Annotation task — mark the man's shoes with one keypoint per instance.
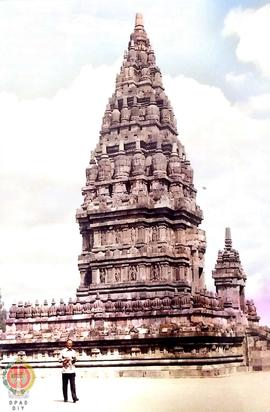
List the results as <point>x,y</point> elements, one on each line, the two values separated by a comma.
<point>65,400</point>
<point>75,400</point>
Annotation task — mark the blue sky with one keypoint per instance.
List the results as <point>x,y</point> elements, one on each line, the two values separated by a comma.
<point>59,60</point>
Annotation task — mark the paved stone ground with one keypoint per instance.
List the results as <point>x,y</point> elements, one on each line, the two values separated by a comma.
<point>242,392</point>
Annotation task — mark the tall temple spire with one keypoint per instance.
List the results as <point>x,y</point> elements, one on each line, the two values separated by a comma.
<point>139,164</point>
<point>139,21</point>
<point>228,238</point>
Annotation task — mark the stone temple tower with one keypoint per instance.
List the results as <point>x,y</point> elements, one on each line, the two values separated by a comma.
<point>229,275</point>
<point>139,219</point>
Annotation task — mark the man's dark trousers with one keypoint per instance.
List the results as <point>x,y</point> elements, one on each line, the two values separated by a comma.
<point>71,378</point>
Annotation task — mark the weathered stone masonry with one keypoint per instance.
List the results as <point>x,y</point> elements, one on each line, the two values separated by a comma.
<point>142,302</point>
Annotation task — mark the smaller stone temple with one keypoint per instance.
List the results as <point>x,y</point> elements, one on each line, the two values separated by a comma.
<point>142,307</point>
<point>229,276</point>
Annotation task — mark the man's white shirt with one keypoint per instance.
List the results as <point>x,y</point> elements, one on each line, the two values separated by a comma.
<point>69,355</point>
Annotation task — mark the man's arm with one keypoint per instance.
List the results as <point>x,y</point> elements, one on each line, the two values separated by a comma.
<point>74,357</point>
<point>61,357</point>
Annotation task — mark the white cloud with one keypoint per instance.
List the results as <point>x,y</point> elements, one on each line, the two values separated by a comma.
<point>237,80</point>
<point>257,106</point>
<point>44,44</point>
<point>252,27</point>
<point>44,149</point>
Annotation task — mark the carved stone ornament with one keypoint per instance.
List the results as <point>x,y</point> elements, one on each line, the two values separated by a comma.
<point>102,275</point>
<point>91,172</point>
<point>155,272</point>
<point>135,112</point>
<point>122,163</point>
<point>152,111</point>
<point>117,274</point>
<point>132,273</point>
<point>104,166</point>
<point>138,161</point>
<point>106,123</point>
<point>165,113</point>
<point>115,114</point>
<point>174,163</point>
<point>125,112</point>
<point>159,162</point>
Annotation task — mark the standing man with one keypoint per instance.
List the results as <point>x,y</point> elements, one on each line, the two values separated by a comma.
<point>68,359</point>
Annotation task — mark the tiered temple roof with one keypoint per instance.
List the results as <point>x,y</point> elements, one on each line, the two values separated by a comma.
<point>139,219</point>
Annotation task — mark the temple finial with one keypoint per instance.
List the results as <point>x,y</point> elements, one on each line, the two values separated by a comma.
<point>228,238</point>
<point>138,20</point>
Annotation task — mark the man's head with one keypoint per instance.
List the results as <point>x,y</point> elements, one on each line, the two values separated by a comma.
<point>69,344</point>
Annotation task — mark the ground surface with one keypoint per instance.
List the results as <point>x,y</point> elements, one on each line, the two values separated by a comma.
<point>242,392</point>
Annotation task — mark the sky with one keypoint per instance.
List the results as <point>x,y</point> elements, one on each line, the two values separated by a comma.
<point>59,60</point>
